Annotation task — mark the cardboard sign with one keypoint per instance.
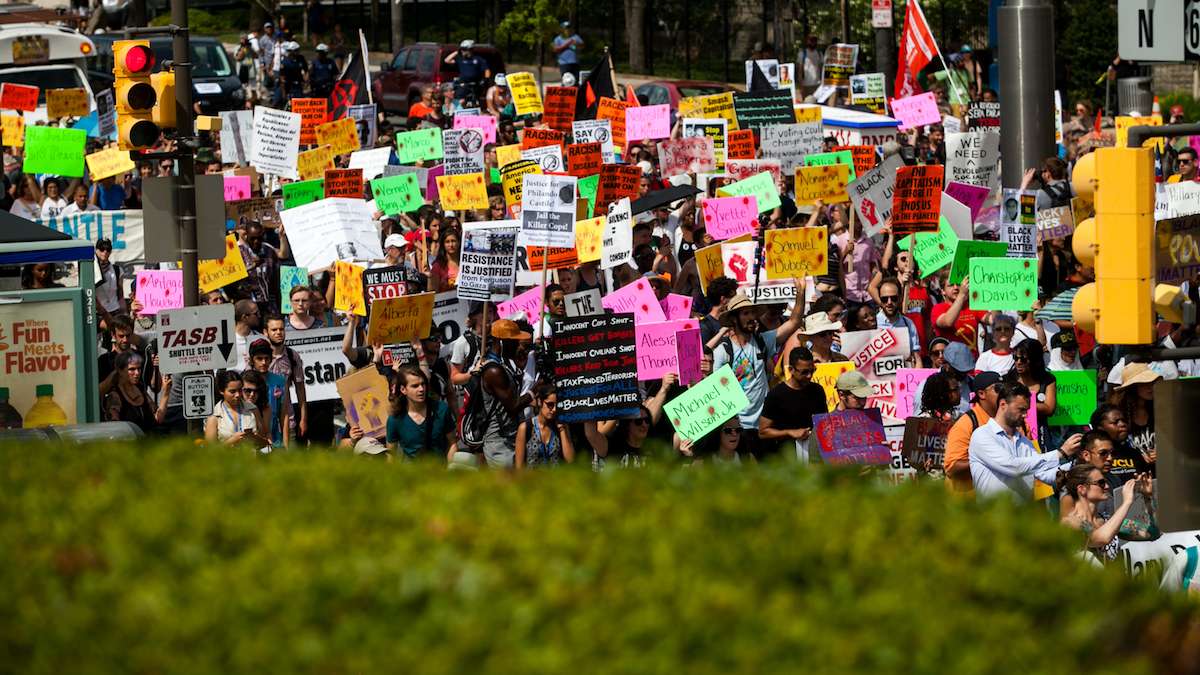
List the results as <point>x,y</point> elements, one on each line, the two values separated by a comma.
<point>344,183</point>
<point>1055,222</point>
<point>741,169</point>
<point>839,64</point>
<point>584,303</point>
<point>313,163</point>
<point>864,157</point>
<point>237,188</point>
<point>54,150</point>
<point>983,115</point>
<point>588,235</point>
<point>648,122</point>
<point>303,192</point>
<point>289,278</point>
<point>397,194</point>
<point>656,355</point>
<point>109,162</point>
<point>18,97</point>
<point>617,181</point>
<point>869,90</point>
<point>264,210</point>
<point>548,210</point>
<point>925,440</point>
<point>613,110</point>
<point>974,158</point>
<point>276,141</point>
<point>761,186</point>
<point>1003,283</point>
<point>826,375</point>
<point>636,298</point>
<point>463,192</point>
<point>728,217</point>
<point>595,368</point>
<point>364,394</point>
<point>403,319</point>
<point>1018,222</point>
<point>711,106</point>
<point>485,270</point>
<point>617,243</point>
<point>1177,250</point>
<point>537,137</point>
<point>214,274</point>
<point>707,404</point>
<point>934,250</point>
<point>1076,395</point>
<point>13,129</point>
<point>796,252</point>
<point>507,154</point>
<point>916,111</point>
<point>1123,123</point>
<point>313,112</point>
<point>688,155</point>
<point>560,108</point>
<point>968,249</point>
<point>791,143</point>
<point>585,159</point>
<point>512,180</point>
<point>714,129</point>
<point>486,124</point>
<point>852,437</point>
<point>159,289</point>
<point>688,352</point>
<point>822,183</point>
<point>832,159</point>
<point>549,157</point>
<point>67,103</point>
<point>971,196</point>
<point>348,292</point>
<point>918,199</point>
<point>755,111</point>
<point>908,381</point>
<point>595,131</point>
<point>525,95</point>
<point>422,144</point>
<point>1175,200</point>
<point>741,144</point>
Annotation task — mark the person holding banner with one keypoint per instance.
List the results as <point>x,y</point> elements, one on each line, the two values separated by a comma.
<point>620,441</point>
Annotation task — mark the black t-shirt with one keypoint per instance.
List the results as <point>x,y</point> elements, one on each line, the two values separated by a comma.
<point>1141,438</point>
<point>709,327</point>
<point>789,408</point>
<point>1127,462</point>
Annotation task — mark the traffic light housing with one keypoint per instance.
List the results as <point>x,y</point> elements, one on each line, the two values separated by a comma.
<point>135,94</point>
<point>164,88</point>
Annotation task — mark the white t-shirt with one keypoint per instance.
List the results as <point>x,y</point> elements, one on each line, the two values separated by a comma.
<point>26,210</point>
<point>51,208</point>
<point>71,209</point>
<point>994,362</point>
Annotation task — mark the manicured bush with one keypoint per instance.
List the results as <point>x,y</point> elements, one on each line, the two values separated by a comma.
<point>178,559</point>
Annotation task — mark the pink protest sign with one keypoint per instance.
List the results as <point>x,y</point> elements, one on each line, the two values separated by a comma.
<point>636,298</point>
<point>908,380</point>
<point>688,350</point>
<point>237,188</point>
<point>528,303</point>
<point>647,122</point>
<point>916,111</point>
<point>970,196</point>
<point>655,345</point>
<point>484,123</point>
<point>677,306</point>
<point>159,289</point>
<point>729,217</point>
<point>686,155</point>
<point>431,187</point>
<point>1032,425</point>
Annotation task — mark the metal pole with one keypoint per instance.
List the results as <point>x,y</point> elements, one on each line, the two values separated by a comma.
<point>186,146</point>
<point>1026,29</point>
<point>725,35</point>
<point>885,56</point>
<point>846,22</point>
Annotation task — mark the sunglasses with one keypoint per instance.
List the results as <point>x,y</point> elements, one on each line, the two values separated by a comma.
<point>730,431</point>
<point>249,390</point>
<point>938,352</point>
<point>550,404</point>
<point>1102,483</point>
<point>1019,358</point>
<point>888,299</point>
<point>640,421</point>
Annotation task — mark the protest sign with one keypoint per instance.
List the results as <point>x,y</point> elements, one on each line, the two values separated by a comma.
<point>1123,124</point>
<point>463,151</point>
<point>741,145</point>
<point>1177,250</point>
<point>463,192</point>
<point>796,252</point>
<point>527,305</point>
<point>313,163</point>
<point>109,162</point>
<point>589,234</point>
<point>1018,222</point>
<point>1055,222</point>
<point>821,183</point>
<point>971,196</point>
<point>852,437</point>
<point>485,267</point>
<point>760,186</point>
<point>917,201</point>
<point>873,192</point>
<point>617,181</point>
<point>106,111</point>
<point>368,126</point>
<point>595,368</point>
<point>959,217</point>
<point>13,129</point>
<point>741,169</point>
<point>925,440</point>
<point>869,90</point>
<point>236,187</point>
<point>613,110</point>
<point>790,143</point>
<point>364,394</point>
<point>331,229</point>
<point>313,112</point>
<point>687,155</point>
<point>525,94</point>
<point>983,115</point>
<point>276,141</point>
<point>237,135</point>
<point>348,281</point>
<point>289,278</point>
<point>584,159</point>
<point>844,157</point>
<point>123,228</point>
<point>706,405</point>
<point>864,157</point>
<point>263,210</point>
<point>755,111</point>
<point>711,106</point>
<point>840,61</point>
<point>584,303</point>
<point>67,103</point>
<point>549,157</point>
<point>507,154</point>
<point>536,137</point>
<point>676,306</point>
<point>380,283</point>
<point>826,376</point>
<point>512,180</point>
<point>1003,283</point>
<point>397,194</point>
<point>648,122</point>
<point>402,319</point>
<point>15,96</point>
<point>656,355</point>
<point>967,249</point>
<point>933,250</point>
<point>636,298</point>
<point>974,158</point>
<point>413,146</point>
<point>908,381</point>
<point>714,129</point>
<point>1176,200</point>
<point>587,187</point>
<point>1076,396</point>
<point>728,217</point>
<point>688,352</point>
<point>54,150</point>
<point>548,210</point>
<point>595,131</point>
<point>344,183</point>
<point>486,124</point>
<point>560,107</point>
<point>214,274</point>
<point>320,350</point>
<point>617,243</point>
<point>158,290</point>
<point>303,192</point>
<point>769,69</point>
<point>916,111</point>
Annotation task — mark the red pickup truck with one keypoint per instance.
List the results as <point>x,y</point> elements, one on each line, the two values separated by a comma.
<point>399,81</point>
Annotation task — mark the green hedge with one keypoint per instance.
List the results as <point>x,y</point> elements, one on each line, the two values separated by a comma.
<point>179,559</point>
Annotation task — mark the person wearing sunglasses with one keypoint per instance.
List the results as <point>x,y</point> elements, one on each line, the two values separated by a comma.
<point>999,359</point>
<point>1029,370</point>
<point>541,440</point>
<point>788,411</point>
<point>891,301</point>
<point>937,352</point>
<point>1004,462</point>
<point>620,441</point>
<point>1095,451</point>
<point>720,445</point>
<point>1186,163</point>
<point>1090,488</point>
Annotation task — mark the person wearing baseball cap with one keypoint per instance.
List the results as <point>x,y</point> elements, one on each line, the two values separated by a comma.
<point>958,363</point>
<point>956,460</point>
<point>853,390</point>
<point>502,397</point>
<point>1064,352</point>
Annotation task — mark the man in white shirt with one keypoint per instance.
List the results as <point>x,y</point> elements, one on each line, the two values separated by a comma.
<point>79,203</point>
<point>246,322</point>
<point>1003,459</point>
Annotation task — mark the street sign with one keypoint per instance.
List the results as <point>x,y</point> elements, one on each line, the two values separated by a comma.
<point>199,395</point>
<point>1158,30</point>
<point>881,13</point>
<point>196,338</point>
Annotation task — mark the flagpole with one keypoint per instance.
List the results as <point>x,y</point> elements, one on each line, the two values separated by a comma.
<point>362,45</point>
<point>949,73</point>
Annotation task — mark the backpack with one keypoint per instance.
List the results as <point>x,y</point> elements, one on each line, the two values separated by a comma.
<point>474,417</point>
<point>759,342</point>
<point>1060,193</point>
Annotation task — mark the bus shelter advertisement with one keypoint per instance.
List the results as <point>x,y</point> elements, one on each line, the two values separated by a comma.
<point>39,361</point>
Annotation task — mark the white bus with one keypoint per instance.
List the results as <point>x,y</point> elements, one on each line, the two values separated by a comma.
<point>45,56</point>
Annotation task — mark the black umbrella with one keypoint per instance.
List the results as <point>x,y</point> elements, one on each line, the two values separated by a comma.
<point>663,197</point>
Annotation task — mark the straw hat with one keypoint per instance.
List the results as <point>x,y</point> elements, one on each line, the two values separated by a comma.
<point>818,322</point>
<point>1137,373</point>
<point>737,303</point>
<point>506,329</point>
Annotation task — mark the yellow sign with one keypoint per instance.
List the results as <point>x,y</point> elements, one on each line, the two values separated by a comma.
<point>67,103</point>
<point>109,162</point>
<point>402,319</point>
<point>587,238</point>
<point>364,393</point>
<point>313,163</point>
<point>808,113</point>
<point>13,128</point>
<point>525,95</point>
<point>507,154</point>
<point>826,183</point>
<point>341,135</point>
<point>512,182</point>
<point>348,289</point>
<point>710,107</point>
<point>1123,124</point>
<point>709,265</point>
<point>826,376</point>
<point>466,191</point>
<point>217,273</point>
<point>796,252</point>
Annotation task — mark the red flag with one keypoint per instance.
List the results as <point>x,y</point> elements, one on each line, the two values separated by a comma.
<point>630,97</point>
<point>917,49</point>
<point>590,96</point>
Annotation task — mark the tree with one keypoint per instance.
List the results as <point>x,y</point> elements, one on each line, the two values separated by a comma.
<point>635,28</point>
<point>1088,45</point>
<point>532,23</point>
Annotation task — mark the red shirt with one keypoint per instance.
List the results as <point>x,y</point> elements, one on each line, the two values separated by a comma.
<point>917,309</point>
<point>966,327</point>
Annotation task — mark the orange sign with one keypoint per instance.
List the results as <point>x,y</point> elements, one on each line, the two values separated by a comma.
<point>312,114</point>
<point>740,144</point>
<point>917,203</point>
<point>344,183</point>
<point>585,159</point>
<point>536,137</point>
<point>864,157</point>
<point>613,110</point>
<point>560,108</point>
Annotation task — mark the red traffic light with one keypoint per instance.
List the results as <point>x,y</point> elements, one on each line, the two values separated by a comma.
<point>139,59</point>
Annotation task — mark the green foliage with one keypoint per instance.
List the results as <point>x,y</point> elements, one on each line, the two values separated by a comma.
<point>1088,45</point>
<point>1191,107</point>
<point>531,21</point>
<point>201,22</point>
<point>178,559</point>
